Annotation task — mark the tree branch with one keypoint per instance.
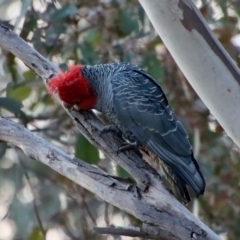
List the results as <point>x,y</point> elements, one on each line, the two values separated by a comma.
<point>162,215</point>
<point>35,207</point>
<point>127,231</point>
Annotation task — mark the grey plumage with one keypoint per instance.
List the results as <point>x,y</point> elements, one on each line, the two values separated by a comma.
<point>135,103</point>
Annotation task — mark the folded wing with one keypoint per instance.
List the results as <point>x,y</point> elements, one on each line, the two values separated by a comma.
<point>142,106</point>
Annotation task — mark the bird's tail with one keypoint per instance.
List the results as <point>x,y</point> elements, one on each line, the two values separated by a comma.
<point>182,172</point>
<point>180,177</point>
<point>178,183</point>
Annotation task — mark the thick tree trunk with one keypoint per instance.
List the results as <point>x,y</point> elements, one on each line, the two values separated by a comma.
<point>202,59</point>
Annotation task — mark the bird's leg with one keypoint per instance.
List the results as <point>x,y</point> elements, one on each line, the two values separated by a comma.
<point>133,188</point>
<point>124,146</point>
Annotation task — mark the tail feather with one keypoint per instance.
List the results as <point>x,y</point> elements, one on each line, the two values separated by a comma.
<point>184,169</point>
<point>178,183</point>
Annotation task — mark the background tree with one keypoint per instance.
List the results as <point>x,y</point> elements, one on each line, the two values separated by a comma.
<point>90,32</point>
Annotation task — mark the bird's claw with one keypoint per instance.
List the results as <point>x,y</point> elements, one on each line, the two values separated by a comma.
<point>109,128</point>
<point>136,190</point>
<point>127,146</point>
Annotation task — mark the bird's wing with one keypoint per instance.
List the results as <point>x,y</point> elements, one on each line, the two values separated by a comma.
<point>142,106</point>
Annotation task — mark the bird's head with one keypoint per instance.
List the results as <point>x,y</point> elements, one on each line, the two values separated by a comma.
<point>72,88</point>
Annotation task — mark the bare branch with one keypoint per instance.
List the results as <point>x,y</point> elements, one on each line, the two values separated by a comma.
<point>162,215</point>
<point>35,61</point>
<point>127,231</point>
<point>84,203</point>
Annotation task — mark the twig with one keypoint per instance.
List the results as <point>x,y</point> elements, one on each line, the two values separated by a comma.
<point>34,197</point>
<point>86,206</point>
<point>127,231</point>
<point>106,217</point>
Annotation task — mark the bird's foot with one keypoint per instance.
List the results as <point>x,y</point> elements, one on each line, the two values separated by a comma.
<point>136,190</point>
<point>132,187</point>
<point>127,146</point>
<point>109,128</point>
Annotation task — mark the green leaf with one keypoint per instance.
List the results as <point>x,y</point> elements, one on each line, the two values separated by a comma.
<point>36,234</point>
<point>64,12</point>
<point>20,93</point>
<point>122,173</point>
<point>10,104</point>
<point>93,37</point>
<point>29,75</point>
<point>29,25</point>
<point>88,53</point>
<point>153,66</point>
<point>127,22</point>
<point>86,151</point>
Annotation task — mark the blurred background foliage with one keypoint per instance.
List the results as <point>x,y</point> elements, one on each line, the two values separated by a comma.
<point>36,201</point>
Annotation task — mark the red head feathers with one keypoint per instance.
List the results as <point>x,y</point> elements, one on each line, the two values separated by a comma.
<point>72,88</point>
